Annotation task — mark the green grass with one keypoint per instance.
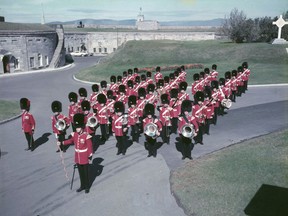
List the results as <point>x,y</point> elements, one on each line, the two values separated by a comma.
<point>9,109</point>
<point>268,63</point>
<point>224,182</point>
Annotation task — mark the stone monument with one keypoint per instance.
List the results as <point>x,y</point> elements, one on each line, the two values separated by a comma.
<point>280,23</point>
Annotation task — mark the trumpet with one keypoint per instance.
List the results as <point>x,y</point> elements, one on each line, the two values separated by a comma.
<point>60,124</point>
<point>188,130</point>
<point>125,119</point>
<point>151,130</point>
<point>227,103</point>
<point>92,121</point>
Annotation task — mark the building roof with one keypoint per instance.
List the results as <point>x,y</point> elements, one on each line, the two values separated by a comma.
<point>8,26</point>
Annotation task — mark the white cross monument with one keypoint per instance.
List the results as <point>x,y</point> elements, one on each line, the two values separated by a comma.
<point>280,23</point>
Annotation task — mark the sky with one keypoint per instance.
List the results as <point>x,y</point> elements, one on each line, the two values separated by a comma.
<point>30,11</point>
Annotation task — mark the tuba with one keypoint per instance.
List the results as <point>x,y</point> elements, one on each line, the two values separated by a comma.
<point>150,130</point>
<point>188,130</point>
<point>92,121</point>
<point>227,103</point>
<point>60,124</point>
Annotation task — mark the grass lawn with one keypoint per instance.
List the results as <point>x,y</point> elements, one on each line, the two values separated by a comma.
<point>224,182</point>
<point>9,109</point>
<point>268,63</point>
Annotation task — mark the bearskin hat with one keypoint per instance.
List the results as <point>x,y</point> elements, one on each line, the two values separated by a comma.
<point>56,106</point>
<point>122,88</point>
<point>132,99</point>
<point>24,103</point>
<point>234,73</point>
<point>101,98</point>
<point>206,70</point>
<point>119,107</point>
<point>176,73</point>
<point>196,76</point>
<point>171,76</point>
<point>222,81</point>
<point>103,84</point>
<point>148,74</point>
<point>119,78</point>
<point>202,74</point>
<point>228,75</point>
<point>183,86</point>
<point>141,92</point>
<point>130,83</point>
<point>182,67</point>
<point>174,93</point>
<point>207,92</point>
<point>160,82</point>
<point>166,79</point>
<point>113,79</point>
<point>130,71</point>
<point>199,96</point>
<point>85,105</point>
<point>137,79</point>
<point>82,92</point>
<point>164,99</point>
<point>214,84</point>
<point>135,70</point>
<point>214,67</point>
<point>125,73</point>
<point>149,109</point>
<point>78,120</point>
<point>73,97</point>
<point>110,94</point>
<point>143,77</point>
<point>150,87</point>
<point>245,65</point>
<point>186,106</point>
<point>158,69</point>
<point>240,69</point>
<point>95,87</point>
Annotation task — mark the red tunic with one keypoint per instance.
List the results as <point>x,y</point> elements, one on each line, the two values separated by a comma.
<point>117,124</point>
<point>197,86</point>
<point>54,121</point>
<point>165,115</point>
<point>151,98</point>
<point>209,111</point>
<point>102,113</point>
<point>176,107</point>
<point>140,105</point>
<point>122,97</point>
<point>133,116</point>
<point>83,147</point>
<point>131,91</point>
<point>191,120</point>
<point>152,120</point>
<point>72,110</point>
<point>90,130</point>
<point>28,122</point>
<point>157,76</point>
<point>199,113</point>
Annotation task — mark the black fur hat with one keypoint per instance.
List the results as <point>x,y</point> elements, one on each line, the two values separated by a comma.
<point>207,92</point>
<point>130,83</point>
<point>137,79</point>
<point>176,73</point>
<point>125,74</point>
<point>206,70</point>
<point>78,120</point>
<point>222,81</point>
<point>119,107</point>
<point>186,106</point>
<point>196,77</point>
<point>24,103</point>
<point>85,105</point>
<point>166,79</point>
<point>143,77</point>
<point>158,69</point>
<point>73,97</point>
<point>214,84</point>
<point>56,106</point>
<point>132,99</point>
<point>214,67</point>
<point>164,99</point>
<point>130,71</point>
<point>148,74</point>
<point>174,93</point>
<point>234,73</point>
<point>228,75</point>
<point>149,109</point>
<point>122,88</point>
<point>245,65</point>
<point>199,96</point>
<point>95,87</point>
<point>113,79</point>
<point>119,78</point>
<point>183,86</point>
<point>171,76</point>
<point>161,82</point>
<point>150,87</point>
<point>141,92</point>
<point>82,92</point>
<point>103,84</point>
<point>201,74</point>
<point>240,69</point>
<point>135,70</point>
<point>110,94</point>
<point>101,98</point>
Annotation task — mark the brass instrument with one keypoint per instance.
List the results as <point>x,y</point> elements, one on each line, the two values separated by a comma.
<point>188,130</point>
<point>60,124</point>
<point>227,103</point>
<point>151,130</point>
<point>92,121</point>
<point>125,119</point>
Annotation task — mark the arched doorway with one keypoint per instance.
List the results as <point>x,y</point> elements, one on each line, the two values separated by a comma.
<point>6,64</point>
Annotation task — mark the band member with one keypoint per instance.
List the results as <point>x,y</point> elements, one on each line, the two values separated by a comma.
<point>125,78</point>
<point>103,85</point>
<point>122,94</point>
<point>175,104</point>
<point>173,82</point>
<point>160,88</point>
<point>73,108</point>
<point>183,95</point>
<point>143,83</point>
<point>113,85</point>
<point>102,112</point>
<point>246,75</point>
<point>130,75</point>
<point>165,118</point>
<point>183,73</point>
<point>216,97</point>
<point>133,118</point>
<point>119,82</point>
<point>199,114</point>
<point>28,123</point>
<point>158,75</point>
<point>234,85</point>
<point>149,79</point>
<point>137,84</point>
<point>151,97</point>
<point>83,151</point>
<point>60,123</point>
<point>225,93</point>
<point>166,86</point>
<point>209,110</point>
<point>197,85</point>
<point>140,107</point>
<point>83,96</point>
<point>94,94</point>
<point>187,124</point>
<point>213,73</point>
<point>151,124</point>
<point>240,81</point>
<point>90,119</point>
<point>119,127</point>
<point>207,77</point>
<point>231,85</point>
<point>130,89</point>
<point>135,73</point>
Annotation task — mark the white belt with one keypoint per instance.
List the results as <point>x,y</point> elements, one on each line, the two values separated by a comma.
<point>81,150</point>
<point>118,127</point>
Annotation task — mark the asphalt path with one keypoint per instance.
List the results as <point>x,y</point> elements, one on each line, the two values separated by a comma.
<point>36,183</point>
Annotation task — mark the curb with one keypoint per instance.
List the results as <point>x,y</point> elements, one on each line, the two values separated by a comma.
<point>10,119</point>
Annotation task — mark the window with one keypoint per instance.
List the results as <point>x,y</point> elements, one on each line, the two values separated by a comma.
<point>16,64</point>
<point>105,50</point>
<point>31,62</point>
<point>40,61</point>
<point>46,60</point>
<point>100,50</point>
<point>94,50</point>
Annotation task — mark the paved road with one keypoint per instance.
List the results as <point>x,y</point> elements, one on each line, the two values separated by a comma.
<point>34,183</point>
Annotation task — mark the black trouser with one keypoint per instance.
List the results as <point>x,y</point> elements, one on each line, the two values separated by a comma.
<point>199,137</point>
<point>135,132</point>
<point>61,138</point>
<point>187,146</point>
<point>104,132</point>
<point>151,145</point>
<point>141,130</point>
<point>233,96</point>
<point>165,134</point>
<point>174,123</point>
<point>84,175</point>
<point>30,140</point>
<point>207,126</point>
<point>121,145</point>
<point>215,115</point>
<point>245,85</point>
